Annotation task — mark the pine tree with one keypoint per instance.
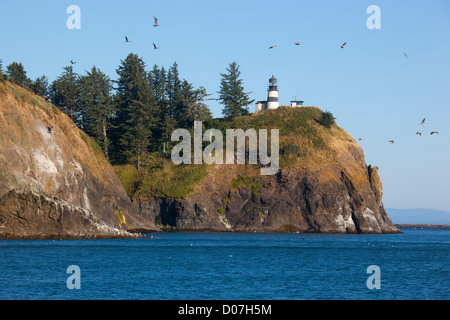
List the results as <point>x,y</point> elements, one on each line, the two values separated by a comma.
<point>2,74</point>
<point>17,74</point>
<point>137,109</point>
<point>232,94</point>
<point>96,106</point>
<point>64,93</point>
<point>158,81</point>
<point>195,108</point>
<point>174,95</point>
<point>40,87</point>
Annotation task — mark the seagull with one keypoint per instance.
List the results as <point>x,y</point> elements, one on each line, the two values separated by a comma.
<point>155,47</point>
<point>433,132</point>
<point>423,121</point>
<point>126,39</point>
<point>271,47</point>
<point>72,62</point>
<point>297,43</point>
<point>419,133</point>
<point>156,22</point>
<point>344,45</point>
<point>50,129</point>
<point>391,141</point>
<point>406,55</point>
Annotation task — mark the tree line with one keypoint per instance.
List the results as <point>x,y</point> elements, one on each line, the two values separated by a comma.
<point>136,113</point>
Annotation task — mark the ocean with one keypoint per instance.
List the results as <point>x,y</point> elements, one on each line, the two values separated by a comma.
<point>230,266</point>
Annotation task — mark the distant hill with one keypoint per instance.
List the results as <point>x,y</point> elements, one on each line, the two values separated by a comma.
<point>418,216</point>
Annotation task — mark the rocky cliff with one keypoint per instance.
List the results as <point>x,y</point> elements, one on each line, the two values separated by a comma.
<point>323,185</point>
<point>54,180</point>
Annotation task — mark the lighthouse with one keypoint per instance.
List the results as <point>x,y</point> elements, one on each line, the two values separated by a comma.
<point>272,94</point>
<point>272,97</point>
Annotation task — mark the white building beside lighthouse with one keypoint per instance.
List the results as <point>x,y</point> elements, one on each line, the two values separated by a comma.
<point>272,97</point>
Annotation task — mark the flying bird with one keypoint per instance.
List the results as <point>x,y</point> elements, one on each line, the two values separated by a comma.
<point>126,39</point>
<point>360,139</point>
<point>156,22</point>
<point>433,132</point>
<point>271,47</point>
<point>155,47</point>
<point>297,43</point>
<point>405,54</point>
<point>419,133</point>
<point>391,141</point>
<point>423,121</point>
<point>344,45</point>
<point>72,62</point>
<point>50,129</point>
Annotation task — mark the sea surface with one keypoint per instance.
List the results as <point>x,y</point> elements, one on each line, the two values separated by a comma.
<point>230,266</point>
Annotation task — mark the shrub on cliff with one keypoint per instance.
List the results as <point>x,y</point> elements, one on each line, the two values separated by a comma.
<point>326,119</point>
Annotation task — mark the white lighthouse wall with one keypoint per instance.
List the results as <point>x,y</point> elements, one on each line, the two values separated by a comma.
<point>272,105</point>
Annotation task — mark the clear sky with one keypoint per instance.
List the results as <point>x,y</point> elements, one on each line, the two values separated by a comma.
<point>372,89</point>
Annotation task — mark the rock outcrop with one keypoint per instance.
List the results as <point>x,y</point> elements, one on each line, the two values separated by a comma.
<point>325,187</point>
<point>54,179</point>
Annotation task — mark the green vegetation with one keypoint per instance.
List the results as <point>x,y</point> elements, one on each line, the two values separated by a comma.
<point>326,119</point>
<point>244,181</point>
<point>97,106</point>
<point>160,177</point>
<point>232,94</point>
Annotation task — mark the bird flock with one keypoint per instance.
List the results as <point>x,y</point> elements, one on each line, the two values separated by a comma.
<point>345,44</point>
<point>156,24</point>
<point>419,133</point>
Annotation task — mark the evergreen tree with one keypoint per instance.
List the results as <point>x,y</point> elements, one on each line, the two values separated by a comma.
<point>96,106</point>
<point>2,74</point>
<point>137,109</point>
<point>40,87</point>
<point>194,108</point>
<point>158,81</point>
<point>64,93</point>
<point>174,95</point>
<point>17,74</point>
<point>168,126</point>
<point>326,119</point>
<point>232,94</point>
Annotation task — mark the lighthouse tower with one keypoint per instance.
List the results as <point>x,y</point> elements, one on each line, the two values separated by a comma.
<point>272,95</point>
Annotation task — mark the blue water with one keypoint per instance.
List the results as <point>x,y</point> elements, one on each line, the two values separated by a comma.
<point>230,266</point>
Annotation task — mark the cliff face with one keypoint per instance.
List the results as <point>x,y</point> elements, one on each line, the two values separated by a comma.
<point>58,182</point>
<point>325,186</point>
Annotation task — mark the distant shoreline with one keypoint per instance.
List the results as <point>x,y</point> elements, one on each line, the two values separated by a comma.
<point>422,226</point>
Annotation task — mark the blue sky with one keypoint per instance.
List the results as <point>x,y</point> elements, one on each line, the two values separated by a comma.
<point>371,88</point>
